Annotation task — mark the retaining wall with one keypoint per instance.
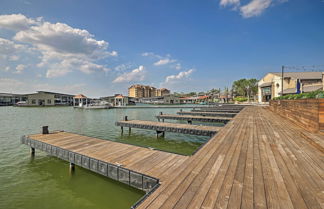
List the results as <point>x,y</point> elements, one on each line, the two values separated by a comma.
<point>308,113</point>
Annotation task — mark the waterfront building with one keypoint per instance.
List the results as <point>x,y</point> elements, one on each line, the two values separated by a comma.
<point>142,91</point>
<point>166,99</point>
<point>80,100</point>
<point>7,99</point>
<point>46,98</point>
<point>162,92</point>
<point>269,86</point>
<point>118,100</point>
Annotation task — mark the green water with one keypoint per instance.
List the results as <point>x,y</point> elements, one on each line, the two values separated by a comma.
<point>45,182</point>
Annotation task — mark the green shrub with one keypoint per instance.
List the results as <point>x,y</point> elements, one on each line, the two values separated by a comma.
<point>240,99</point>
<point>310,95</point>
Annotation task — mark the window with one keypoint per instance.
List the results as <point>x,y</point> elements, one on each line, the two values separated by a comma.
<point>49,101</point>
<point>33,101</point>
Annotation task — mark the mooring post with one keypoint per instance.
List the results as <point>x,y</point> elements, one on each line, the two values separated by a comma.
<point>129,130</point>
<point>126,118</point>
<point>163,120</point>
<point>32,151</point>
<point>161,113</point>
<point>189,121</point>
<point>45,130</point>
<point>122,129</point>
<point>72,167</point>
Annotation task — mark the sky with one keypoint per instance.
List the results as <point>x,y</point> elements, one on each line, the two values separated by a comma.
<point>100,48</point>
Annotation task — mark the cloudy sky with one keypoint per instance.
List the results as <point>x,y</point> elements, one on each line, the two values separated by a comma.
<point>101,47</point>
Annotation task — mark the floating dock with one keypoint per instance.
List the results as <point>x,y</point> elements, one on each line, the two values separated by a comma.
<point>161,127</point>
<point>216,110</point>
<point>258,160</point>
<point>210,114</point>
<point>191,118</point>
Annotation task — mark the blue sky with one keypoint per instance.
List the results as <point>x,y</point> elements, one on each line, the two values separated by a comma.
<point>101,47</point>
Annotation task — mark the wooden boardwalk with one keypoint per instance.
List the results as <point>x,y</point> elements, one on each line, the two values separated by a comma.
<point>258,160</point>
<point>210,114</point>
<point>190,118</point>
<point>170,127</point>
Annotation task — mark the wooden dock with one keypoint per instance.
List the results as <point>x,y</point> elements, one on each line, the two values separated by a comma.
<point>258,160</point>
<point>191,118</point>
<point>216,110</point>
<point>161,127</point>
<point>210,114</point>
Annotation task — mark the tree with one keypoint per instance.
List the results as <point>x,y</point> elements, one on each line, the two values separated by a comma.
<point>245,87</point>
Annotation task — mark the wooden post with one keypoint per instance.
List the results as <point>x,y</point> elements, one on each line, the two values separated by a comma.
<point>122,129</point>
<point>189,121</point>
<point>163,120</point>
<point>180,110</point>
<point>126,118</point>
<point>161,113</point>
<point>72,167</point>
<point>129,130</point>
<point>32,152</point>
<point>45,130</point>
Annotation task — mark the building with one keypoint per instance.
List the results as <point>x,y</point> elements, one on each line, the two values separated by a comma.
<point>162,92</point>
<point>166,99</point>
<point>7,99</point>
<point>269,86</point>
<point>118,100</point>
<point>45,98</point>
<point>141,91</point>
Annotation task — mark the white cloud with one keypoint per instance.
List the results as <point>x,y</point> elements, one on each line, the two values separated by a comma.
<point>20,68</point>
<point>229,2</point>
<point>255,8</point>
<point>123,67</point>
<point>179,76</point>
<point>62,48</point>
<point>8,48</point>
<point>17,22</point>
<point>164,61</point>
<point>151,54</point>
<point>137,74</point>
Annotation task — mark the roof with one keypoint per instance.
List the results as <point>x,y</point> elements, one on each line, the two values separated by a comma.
<point>203,97</point>
<point>79,96</point>
<point>301,75</point>
<point>119,96</point>
<point>266,84</point>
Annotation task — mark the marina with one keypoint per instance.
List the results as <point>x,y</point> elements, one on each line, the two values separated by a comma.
<point>246,161</point>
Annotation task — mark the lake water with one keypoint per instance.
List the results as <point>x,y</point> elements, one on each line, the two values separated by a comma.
<point>45,182</point>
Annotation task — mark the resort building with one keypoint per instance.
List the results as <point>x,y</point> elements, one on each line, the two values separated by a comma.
<point>141,91</point>
<point>269,86</point>
<point>118,100</point>
<point>80,100</point>
<point>166,99</point>
<point>45,98</point>
<point>7,99</point>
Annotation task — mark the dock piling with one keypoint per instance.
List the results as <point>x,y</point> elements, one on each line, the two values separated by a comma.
<point>190,122</point>
<point>126,118</point>
<point>162,133</point>
<point>72,167</point>
<point>32,151</point>
<point>45,130</point>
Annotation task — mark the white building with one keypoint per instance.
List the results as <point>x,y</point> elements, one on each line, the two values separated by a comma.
<point>269,86</point>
